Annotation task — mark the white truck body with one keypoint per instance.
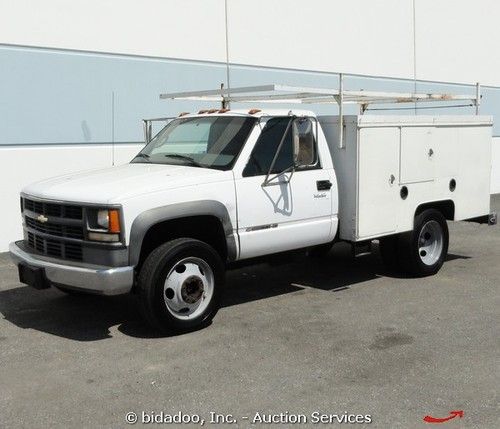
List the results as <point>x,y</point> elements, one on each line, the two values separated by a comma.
<point>362,203</point>
<point>381,154</point>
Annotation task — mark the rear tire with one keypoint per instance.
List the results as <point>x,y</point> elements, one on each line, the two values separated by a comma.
<point>422,251</point>
<point>179,285</point>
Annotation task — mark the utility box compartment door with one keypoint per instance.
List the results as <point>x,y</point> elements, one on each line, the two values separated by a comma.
<point>417,154</point>
<point>378,190</point>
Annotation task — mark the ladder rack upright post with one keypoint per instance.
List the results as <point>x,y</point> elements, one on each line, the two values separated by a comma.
<point>340,101</point>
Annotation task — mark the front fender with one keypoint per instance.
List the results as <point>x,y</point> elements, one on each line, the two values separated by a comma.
<point>147,219</point>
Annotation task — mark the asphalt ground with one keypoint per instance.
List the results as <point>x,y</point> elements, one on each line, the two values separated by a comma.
<point>334,336</point>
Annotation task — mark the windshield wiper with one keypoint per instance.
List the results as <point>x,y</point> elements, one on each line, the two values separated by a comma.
<point>191,161</point>
<point>143,155</point>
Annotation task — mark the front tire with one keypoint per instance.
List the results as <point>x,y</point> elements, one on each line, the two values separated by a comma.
<point>422,251</point>
<point>179,285</point>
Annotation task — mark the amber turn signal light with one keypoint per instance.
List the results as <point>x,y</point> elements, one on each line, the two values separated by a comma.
<point>114,221</point>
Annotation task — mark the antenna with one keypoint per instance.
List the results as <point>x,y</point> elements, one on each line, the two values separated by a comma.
<point>113,128</point>
<point>340,102</point>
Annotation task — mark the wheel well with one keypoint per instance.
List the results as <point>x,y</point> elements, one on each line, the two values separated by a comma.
<point>208,229</point>
<point>446,207</point>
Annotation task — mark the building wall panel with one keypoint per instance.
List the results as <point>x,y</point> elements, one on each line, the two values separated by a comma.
<point>188,29</point>
<point>457,41</point>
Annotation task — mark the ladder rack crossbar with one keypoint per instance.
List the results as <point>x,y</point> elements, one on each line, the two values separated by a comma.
<point>274,93</point>
<point>303,95</point>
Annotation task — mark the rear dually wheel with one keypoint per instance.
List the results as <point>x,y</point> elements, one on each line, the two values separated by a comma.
<point>422,251</point>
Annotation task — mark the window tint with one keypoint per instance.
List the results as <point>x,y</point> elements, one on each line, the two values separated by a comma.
<point>263,153</point>
<point>206,141</point>
<point>189,137</point>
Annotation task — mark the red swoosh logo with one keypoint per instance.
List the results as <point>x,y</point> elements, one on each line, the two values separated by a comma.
<point>453,414</point>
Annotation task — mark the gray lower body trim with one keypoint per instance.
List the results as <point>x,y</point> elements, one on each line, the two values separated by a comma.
<point>149,218</point>
<point>90,278</point>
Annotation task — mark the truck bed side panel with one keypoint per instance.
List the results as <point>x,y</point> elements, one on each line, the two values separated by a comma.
<point>378,191</point>
<point>425,154</point>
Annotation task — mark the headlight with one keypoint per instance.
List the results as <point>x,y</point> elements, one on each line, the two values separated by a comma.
<point>103,218</point>
<point>103,225</point>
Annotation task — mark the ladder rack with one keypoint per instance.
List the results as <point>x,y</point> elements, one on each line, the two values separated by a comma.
<point>274,93</point>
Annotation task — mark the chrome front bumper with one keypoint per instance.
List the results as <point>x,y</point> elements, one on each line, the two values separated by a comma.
<point>89,278</point>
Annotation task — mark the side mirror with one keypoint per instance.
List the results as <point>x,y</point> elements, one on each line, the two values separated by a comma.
<point>148,127</point>
<point>304,149</point>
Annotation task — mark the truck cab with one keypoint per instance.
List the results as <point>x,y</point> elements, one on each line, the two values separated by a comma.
<point>237,184</point>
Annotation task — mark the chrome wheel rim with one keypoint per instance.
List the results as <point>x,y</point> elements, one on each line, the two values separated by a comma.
<point>430,242</point>
<point>188,288</point>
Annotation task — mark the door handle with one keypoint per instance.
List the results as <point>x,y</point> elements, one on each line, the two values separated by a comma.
<point>323,185</point>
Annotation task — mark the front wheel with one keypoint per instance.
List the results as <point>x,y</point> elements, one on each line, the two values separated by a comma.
<point>422,251</point>
<point>179,285</point>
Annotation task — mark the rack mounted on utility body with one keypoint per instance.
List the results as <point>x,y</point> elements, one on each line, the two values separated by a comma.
<point>274,93</point>
<point>426,154</point>
<point>223,185</point>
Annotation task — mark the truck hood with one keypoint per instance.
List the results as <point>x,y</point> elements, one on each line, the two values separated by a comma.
<point>115,184</point>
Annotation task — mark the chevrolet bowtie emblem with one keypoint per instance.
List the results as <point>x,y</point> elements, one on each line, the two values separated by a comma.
<point>42,219</point>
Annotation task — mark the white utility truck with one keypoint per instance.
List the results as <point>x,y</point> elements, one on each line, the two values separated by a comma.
<point>222,185</point>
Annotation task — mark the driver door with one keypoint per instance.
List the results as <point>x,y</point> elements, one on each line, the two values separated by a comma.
<point>294,209</point>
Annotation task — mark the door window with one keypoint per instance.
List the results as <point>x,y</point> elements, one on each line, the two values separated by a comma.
<point>263,153</point>
<point>266,146</point>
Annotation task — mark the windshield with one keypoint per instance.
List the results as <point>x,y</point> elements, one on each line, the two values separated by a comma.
<point>207,141</point>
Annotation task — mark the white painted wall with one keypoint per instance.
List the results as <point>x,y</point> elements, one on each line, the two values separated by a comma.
<point>356,36</point>
<point>456,40</point>
<point>23,165</point>
<point>192,29</point>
